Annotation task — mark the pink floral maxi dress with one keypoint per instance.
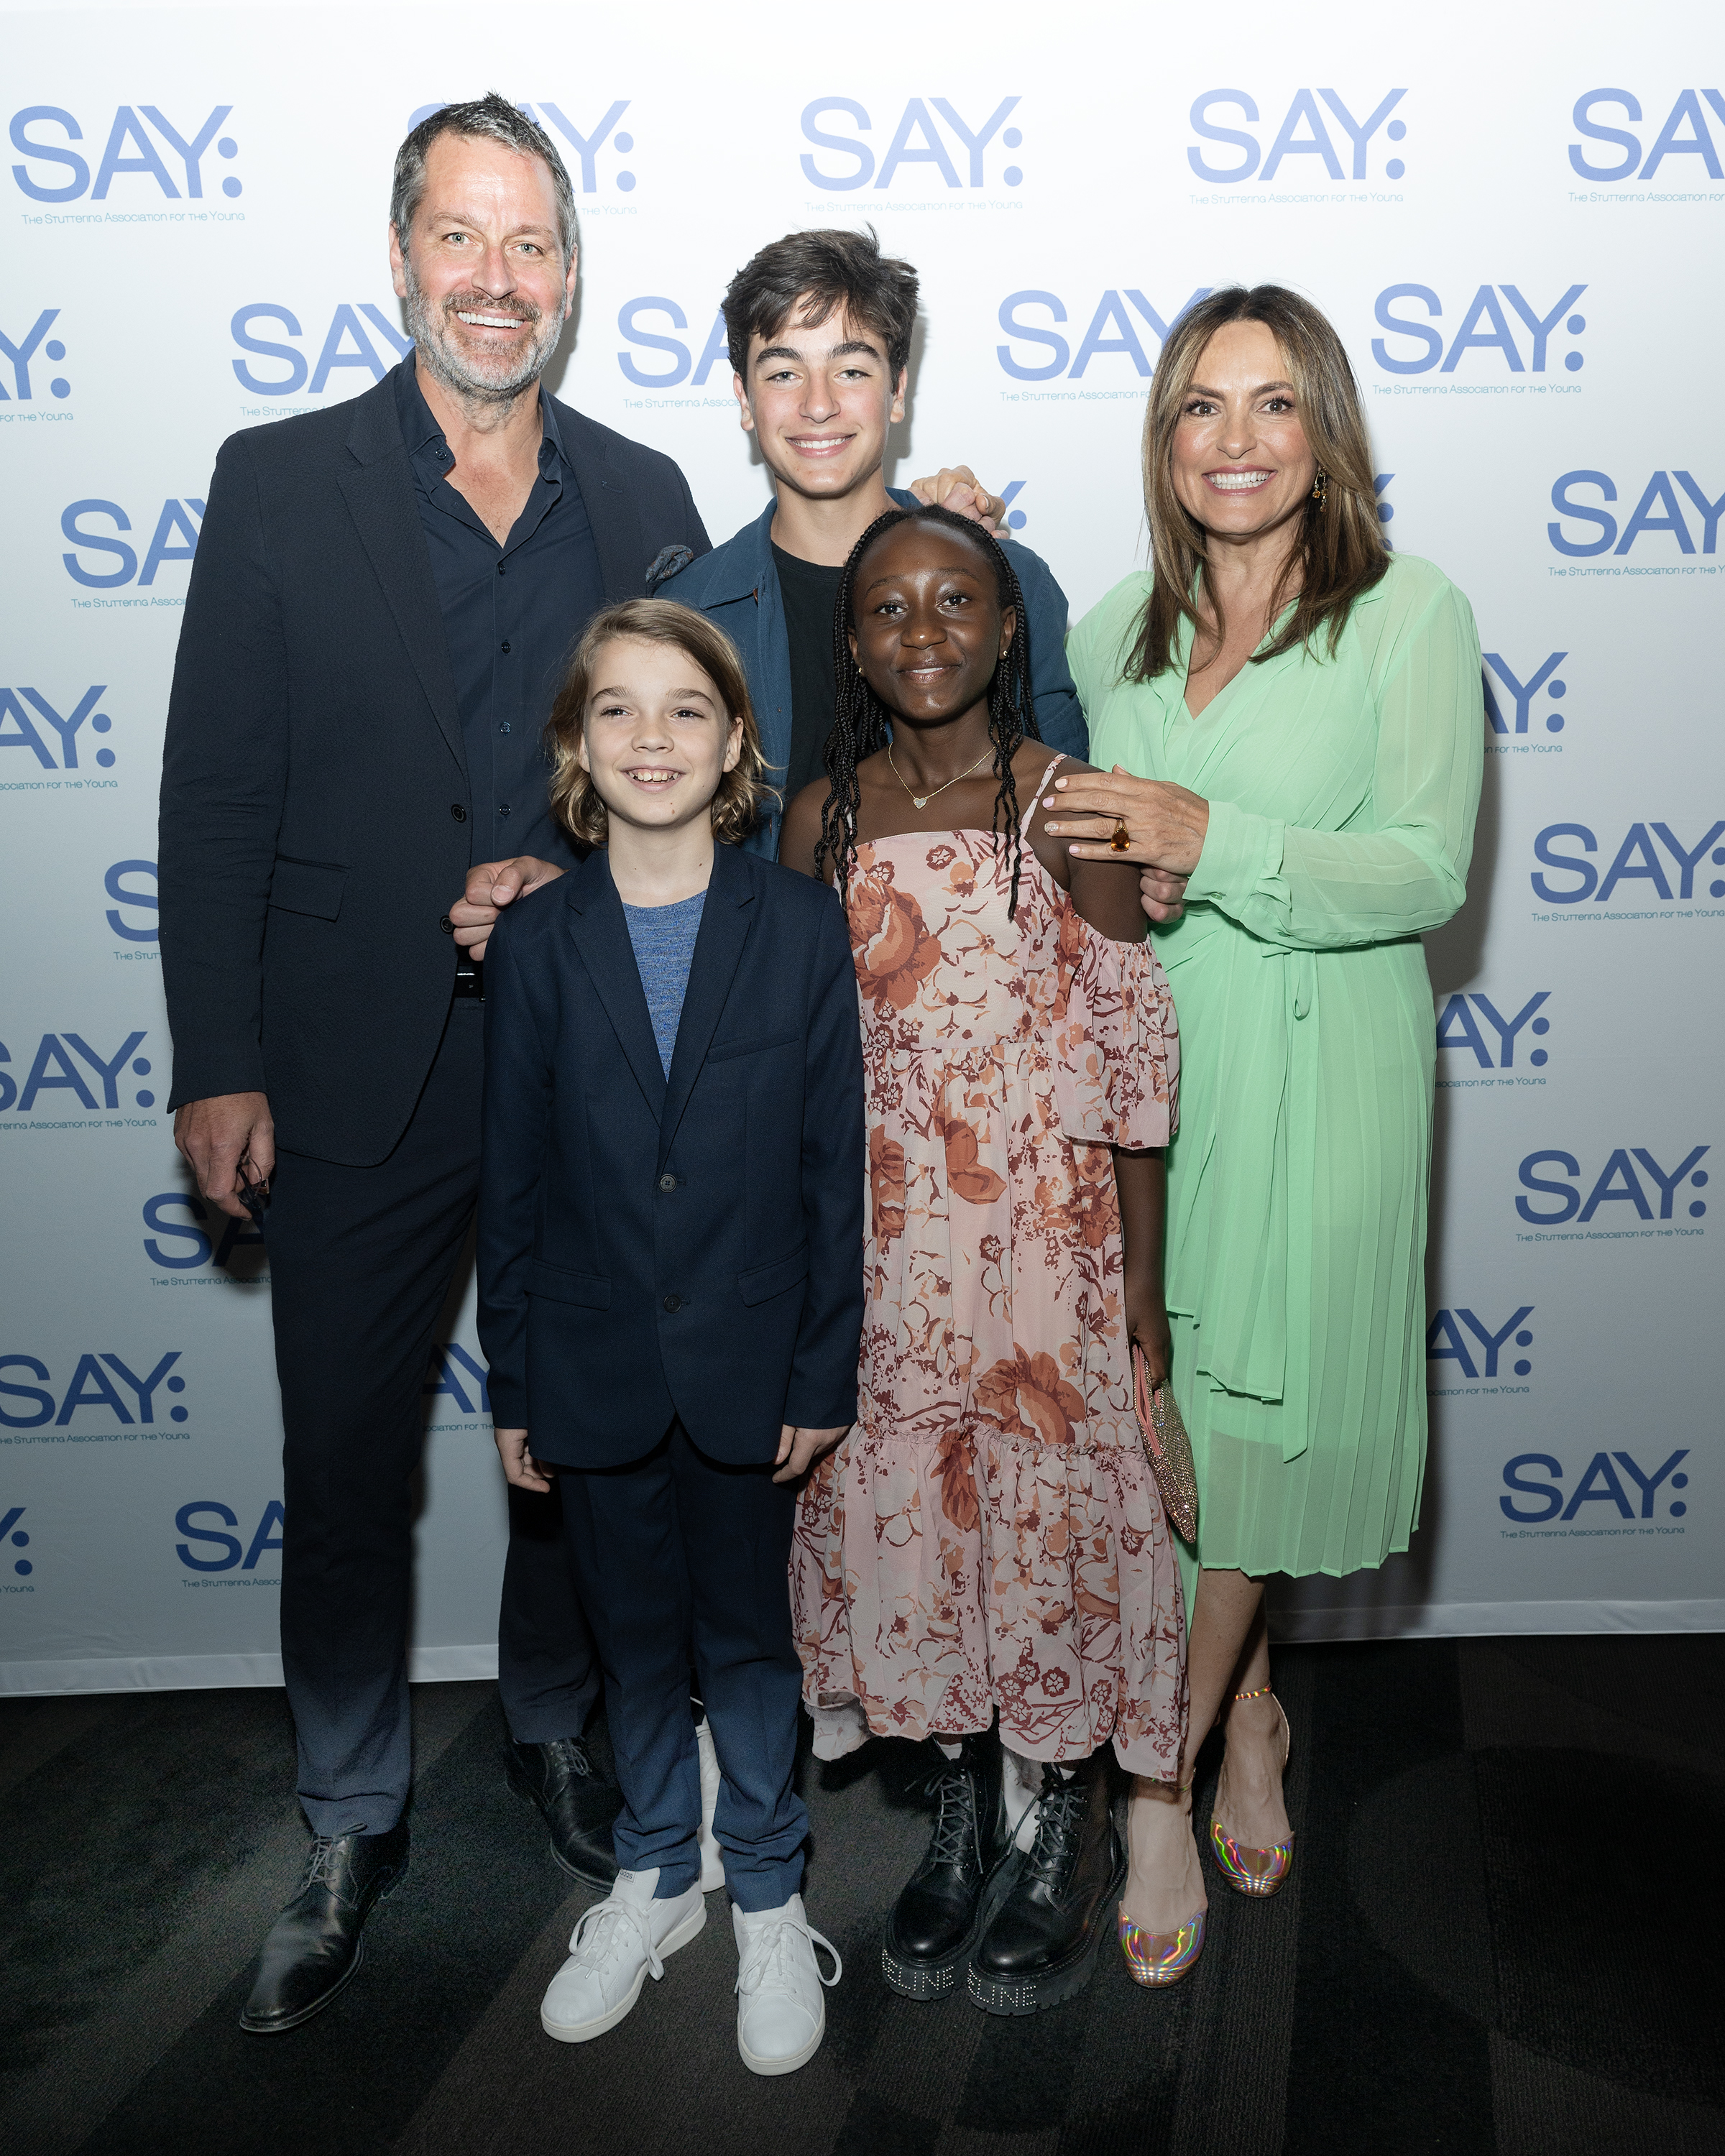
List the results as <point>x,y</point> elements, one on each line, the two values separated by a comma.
<point>990,1534</point>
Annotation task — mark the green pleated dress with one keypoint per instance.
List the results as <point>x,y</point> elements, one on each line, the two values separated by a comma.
<point>1341,794</point>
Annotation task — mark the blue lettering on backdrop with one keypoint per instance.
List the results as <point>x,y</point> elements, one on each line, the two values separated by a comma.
<point>1616,1181</point>
<point>1111,311</point>
<point>1688,113</point>
<point>629,323</point>
<point>1635,860</point>
<point>52,1070</point>
<point>1599,1484</point>
<point>21,353</point>
<point>91,1387</point>
<point>1446,1340</point>
<point>21,710</point>
<point>130,152</point>
<point>1458,1027</point>
<point>917,141</point>
<point>1303,133</point>
<point>1485,307</point>
<point>1522,693</point>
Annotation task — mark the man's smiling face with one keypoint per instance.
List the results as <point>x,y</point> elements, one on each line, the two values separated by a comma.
<point>482,270</point>
<point>820,398</point>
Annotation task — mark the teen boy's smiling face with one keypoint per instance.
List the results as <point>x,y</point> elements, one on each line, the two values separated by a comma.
<point>820,398</point>
<point>929,630</point>
<point>656,738</point>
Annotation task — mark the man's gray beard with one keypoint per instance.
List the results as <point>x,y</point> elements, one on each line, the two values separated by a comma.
<point>425,326</point>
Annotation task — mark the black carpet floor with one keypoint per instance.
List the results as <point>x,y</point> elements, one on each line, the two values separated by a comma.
<point>1503,1934</point>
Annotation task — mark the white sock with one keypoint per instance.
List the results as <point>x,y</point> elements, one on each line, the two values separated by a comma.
<point>950,1747</point>
<point>1021,1784</point>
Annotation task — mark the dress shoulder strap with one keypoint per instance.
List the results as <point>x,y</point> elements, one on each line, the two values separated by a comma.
<point>1041,788</point>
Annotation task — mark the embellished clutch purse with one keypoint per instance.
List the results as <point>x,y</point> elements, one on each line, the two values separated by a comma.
<point>1167,1448</point>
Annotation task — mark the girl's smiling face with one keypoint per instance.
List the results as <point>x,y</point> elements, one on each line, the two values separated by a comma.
<point>656,737</point>
<point>929,630</point>
<point>1241,464</point>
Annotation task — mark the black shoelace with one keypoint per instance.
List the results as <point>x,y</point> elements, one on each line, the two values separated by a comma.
<point>954,1836</point>
<point>1060,1821</point>
<point>568,1756</point>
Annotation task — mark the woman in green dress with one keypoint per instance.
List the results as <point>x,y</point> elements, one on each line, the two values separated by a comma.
<point>1295,720</point>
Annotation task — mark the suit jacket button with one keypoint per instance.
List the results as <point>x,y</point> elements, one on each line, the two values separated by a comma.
<point>667,1182</point>
<point>674,1302</point>
<point>447,926</point>
<point>457,811</point>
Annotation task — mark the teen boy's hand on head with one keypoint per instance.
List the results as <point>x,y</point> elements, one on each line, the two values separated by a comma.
<point>520,1467</point>
<point>798,1449</point>
<point>490,886</point>
<point>957,488</point>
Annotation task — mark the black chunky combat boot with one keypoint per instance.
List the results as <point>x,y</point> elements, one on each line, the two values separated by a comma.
<point>939,1917</point>
<point>1041,1942</point>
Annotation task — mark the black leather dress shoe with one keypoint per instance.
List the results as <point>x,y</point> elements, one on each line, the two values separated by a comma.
<point>314,1945</point>
<point>1041,1942</point>
<point>939,1916</point>
<point>578,1798</point>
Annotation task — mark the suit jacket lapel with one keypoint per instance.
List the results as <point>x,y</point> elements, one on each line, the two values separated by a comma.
<point>724,930</point>
<point>610,507</point>
<point>601,936</point>
<point>379,491</point>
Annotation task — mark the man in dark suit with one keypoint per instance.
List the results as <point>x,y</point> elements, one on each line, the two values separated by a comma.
<point>382,598</point>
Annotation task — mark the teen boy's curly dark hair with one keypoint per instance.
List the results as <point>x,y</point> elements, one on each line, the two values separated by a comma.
<point>862,723</point>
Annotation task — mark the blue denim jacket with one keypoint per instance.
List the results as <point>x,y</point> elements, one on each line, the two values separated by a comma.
<point>737,586</point>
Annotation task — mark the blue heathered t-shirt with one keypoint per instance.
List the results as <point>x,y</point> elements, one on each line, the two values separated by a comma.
<point>663,941</point>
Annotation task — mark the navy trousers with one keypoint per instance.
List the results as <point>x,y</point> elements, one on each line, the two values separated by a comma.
<point>672,1549</point>
<point>361,1260</point>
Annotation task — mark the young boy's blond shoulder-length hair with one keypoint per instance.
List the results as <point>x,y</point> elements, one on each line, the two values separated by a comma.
<point>743,791</point>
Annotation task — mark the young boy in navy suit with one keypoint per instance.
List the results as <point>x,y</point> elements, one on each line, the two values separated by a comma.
<point>670,1284</point>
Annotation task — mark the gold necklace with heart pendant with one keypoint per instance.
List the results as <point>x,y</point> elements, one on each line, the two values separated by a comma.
<point>922,800</point>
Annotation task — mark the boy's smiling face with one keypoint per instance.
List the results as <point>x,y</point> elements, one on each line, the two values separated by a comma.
<point>656,738</point>
<point>820,399</point>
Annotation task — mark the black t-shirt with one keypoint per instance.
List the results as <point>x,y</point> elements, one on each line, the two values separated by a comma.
<point>810,591</point>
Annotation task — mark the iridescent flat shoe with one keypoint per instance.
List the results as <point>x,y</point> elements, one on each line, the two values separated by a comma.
<point>1161,1958</point>
<point>1251,1871</point>
<point>1247,1869</point>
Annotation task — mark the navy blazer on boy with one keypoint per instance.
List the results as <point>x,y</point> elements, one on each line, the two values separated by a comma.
<point>691,1247</point>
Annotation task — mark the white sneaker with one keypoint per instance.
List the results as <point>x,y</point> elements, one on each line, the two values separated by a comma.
<point>712,1857</point>
<point>616,1946</point>
<point>780,2015</point>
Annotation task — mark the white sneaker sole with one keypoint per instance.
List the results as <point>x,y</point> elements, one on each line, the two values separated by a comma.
<point>758,2065</point>
<point>583,2032</point>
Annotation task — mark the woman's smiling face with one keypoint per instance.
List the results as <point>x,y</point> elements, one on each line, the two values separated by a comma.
<point>1241,463</point>
<point>929,630</point>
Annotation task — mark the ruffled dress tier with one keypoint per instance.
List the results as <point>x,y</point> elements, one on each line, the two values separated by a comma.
<point>990,1535</point>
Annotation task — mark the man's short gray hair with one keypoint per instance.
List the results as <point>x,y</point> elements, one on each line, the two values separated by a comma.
<point>493,119</point>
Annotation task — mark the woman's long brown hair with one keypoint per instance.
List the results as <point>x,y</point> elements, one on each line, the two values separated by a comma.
<point>1340,551</point>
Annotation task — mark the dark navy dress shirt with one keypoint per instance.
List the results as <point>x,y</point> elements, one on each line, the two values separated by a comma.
<point>512,614</point>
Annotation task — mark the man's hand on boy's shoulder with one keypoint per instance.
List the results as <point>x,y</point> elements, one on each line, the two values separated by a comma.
<point>490,886</point>
<point>957,488</point>
<point>798,1449</point>
<point>520,1467</point>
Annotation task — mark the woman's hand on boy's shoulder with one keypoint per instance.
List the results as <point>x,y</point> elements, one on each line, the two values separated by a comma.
<point>798,1449</point>
<point>490,886</point>
<point>520,1467</point>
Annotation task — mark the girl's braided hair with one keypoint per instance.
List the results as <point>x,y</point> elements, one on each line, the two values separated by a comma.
<point>862,724</point>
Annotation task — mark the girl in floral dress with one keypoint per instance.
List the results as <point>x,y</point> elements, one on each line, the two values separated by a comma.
<point>987,1545</point>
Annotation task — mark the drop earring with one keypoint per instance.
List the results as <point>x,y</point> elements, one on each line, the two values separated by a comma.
<point>1321,490</point>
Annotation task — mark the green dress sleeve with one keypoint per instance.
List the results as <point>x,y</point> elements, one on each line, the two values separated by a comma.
<point>1324,890</point>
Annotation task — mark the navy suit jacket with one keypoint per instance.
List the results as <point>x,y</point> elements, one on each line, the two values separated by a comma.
<point>690,1246</point>
<point>315,801</point>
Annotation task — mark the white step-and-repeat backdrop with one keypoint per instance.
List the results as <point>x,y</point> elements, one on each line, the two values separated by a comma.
<point>1514,217</point>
